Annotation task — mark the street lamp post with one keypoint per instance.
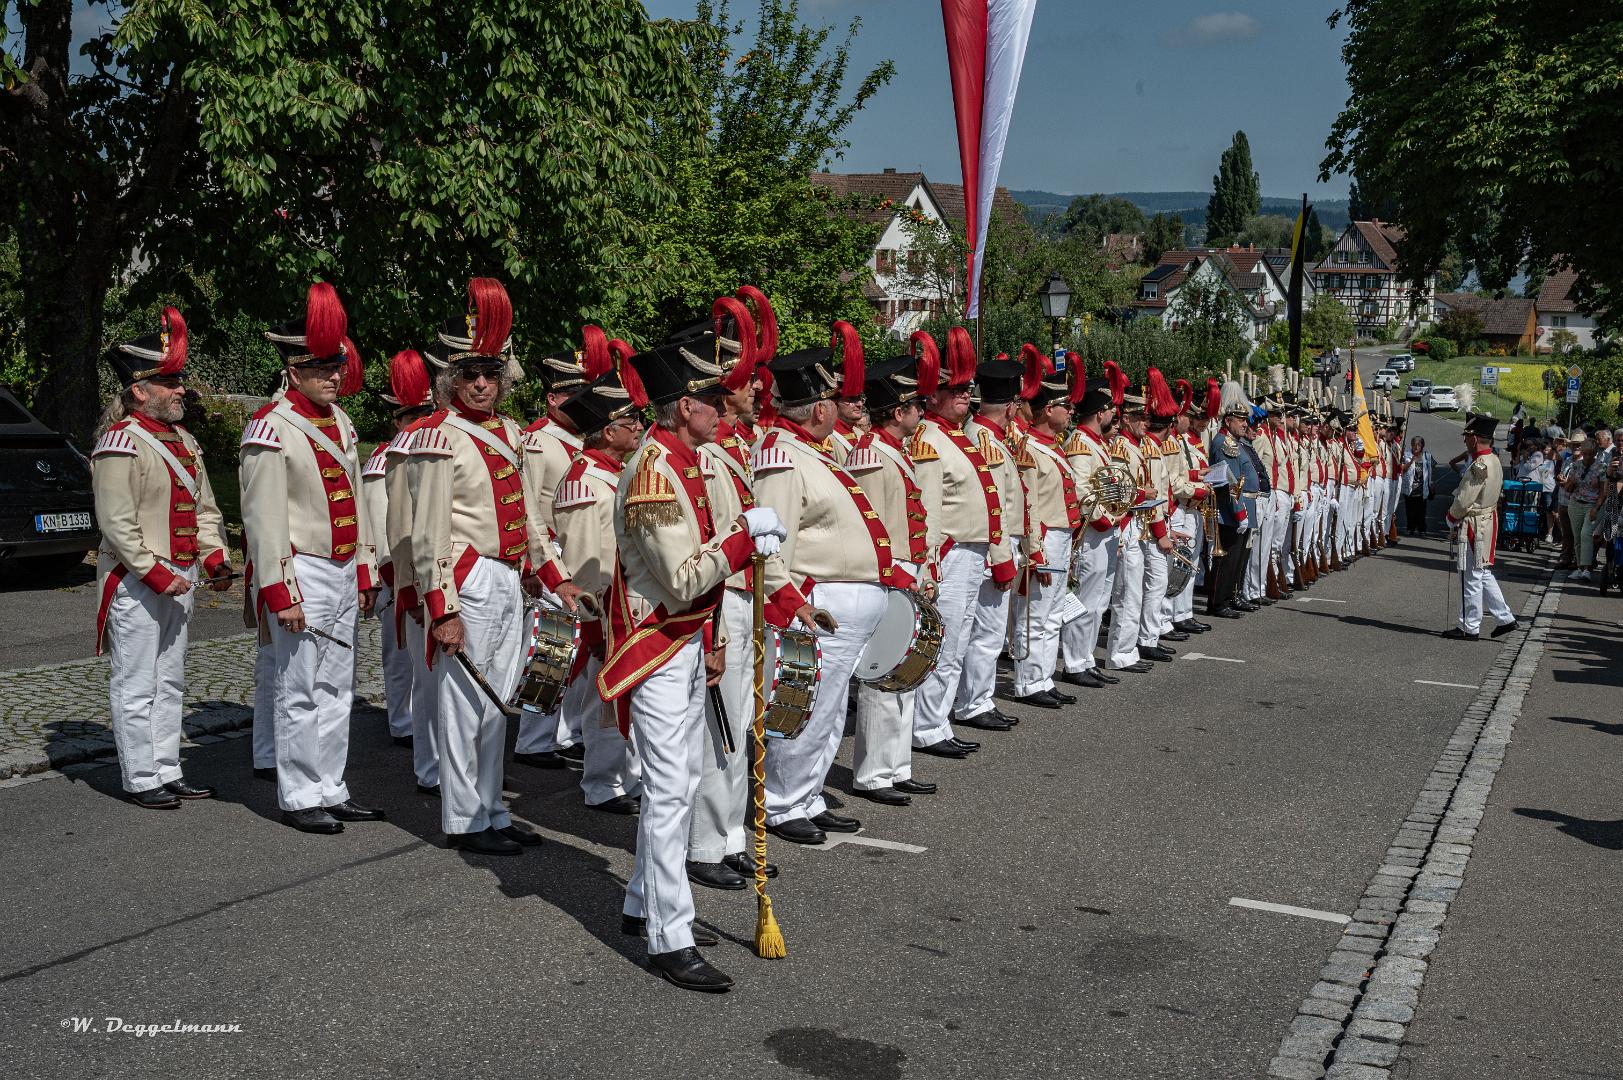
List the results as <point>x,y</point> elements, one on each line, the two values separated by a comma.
<point>1056,299</point>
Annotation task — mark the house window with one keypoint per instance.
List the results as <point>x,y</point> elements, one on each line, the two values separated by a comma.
<point>1363,256</point>
<point>1341,257</point>
<point>1368,308</point>
<point>885,260</point>
<point>1151,292</point>
<point>1335,280</point>
<point>1558,322</point>
<point>1371,283</point>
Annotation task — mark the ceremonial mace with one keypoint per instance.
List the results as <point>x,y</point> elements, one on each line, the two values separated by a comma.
<point>769,943</point>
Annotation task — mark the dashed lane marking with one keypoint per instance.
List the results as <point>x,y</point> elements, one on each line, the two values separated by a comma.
<point>1290,909</point>
<point>836,839</point>
<point>1455,685</point>
<point>1203,656</point>
<point>1317,600</point>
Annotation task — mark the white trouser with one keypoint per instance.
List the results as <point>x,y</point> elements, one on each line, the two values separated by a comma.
<point>1256,566</point>
<point>472,730</point>
<point>1392,495</point>
<point>1347,515</point>
<point>264,729</point>
<point>396,668</point>
<point>1094,567</point>
<point>1126,600</point>
<point>722,800</point>
<point>986,641</point>
<point>797,768</point>
<point>667,721</point>
<point>1319,507</point>
<point>884,744</point>
<point>963,573</point>
<point>1282,504</point>
<point>146,637</point>
<point>1480,589</point>
<point>425,706</point>
<point>610,767</point>
<point>1040,607</point>
<point>542,733</point>
<point>1152,613</point>
<point>1182,606</point>
<point>315,687</point>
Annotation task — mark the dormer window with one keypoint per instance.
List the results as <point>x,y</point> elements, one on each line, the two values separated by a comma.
<point>1363,256</point>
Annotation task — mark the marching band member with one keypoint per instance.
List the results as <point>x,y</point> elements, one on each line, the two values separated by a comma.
<point>411,395</point>
<point>551,444</point>
<point>1254,589</point>
<point>1190,494</point>
<point>1095,553</point>
<point>851,419</point>
<point>158,522</point>
<point>838,551</point>
<point>881,761</point>
<point>472,541</point>
<point>1127,591</point>
<point>609,422</point>
<point>263,735</point>
<point>994,432</point>
<point>1236,501</point>
<point>968,551</point>
<point>1474,517</point>
<point>1160,408</point>
<point>1282,478</point>
<point>660,649</point>
<point>313,557</point>
<point>1054,513</point>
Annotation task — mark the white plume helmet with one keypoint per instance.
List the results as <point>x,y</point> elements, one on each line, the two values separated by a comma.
<point>1276,377</point>
<point>1234,401</point>
<point>1466,394</point>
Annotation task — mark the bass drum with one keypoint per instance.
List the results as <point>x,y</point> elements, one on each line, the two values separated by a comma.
<point>1181,565</point>
<point>794,668</point>
<point>903,650</point>
<point>553,638</point>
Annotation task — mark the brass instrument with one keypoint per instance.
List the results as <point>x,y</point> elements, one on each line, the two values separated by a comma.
<point>1112,488</point>
<point>1208,518</point>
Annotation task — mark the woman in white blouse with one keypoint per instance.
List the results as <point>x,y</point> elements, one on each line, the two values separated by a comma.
<point>1416,484</point>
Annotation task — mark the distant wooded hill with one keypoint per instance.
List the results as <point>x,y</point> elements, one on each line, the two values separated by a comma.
<point>1190,205</point>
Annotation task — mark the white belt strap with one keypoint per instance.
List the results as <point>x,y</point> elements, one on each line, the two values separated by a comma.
<point>169,459</point>
<point>319,437</point>
<point>476,432</point>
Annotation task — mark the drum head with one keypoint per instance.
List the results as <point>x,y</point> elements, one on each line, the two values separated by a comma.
<point>892,640</point>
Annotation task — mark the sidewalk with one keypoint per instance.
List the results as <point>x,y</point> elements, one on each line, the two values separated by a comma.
<point>57,715</point>
<point>1527,981</point>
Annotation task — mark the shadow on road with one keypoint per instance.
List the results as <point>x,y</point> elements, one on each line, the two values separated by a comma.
<point>1602,834</point>
<point>1599,725</point>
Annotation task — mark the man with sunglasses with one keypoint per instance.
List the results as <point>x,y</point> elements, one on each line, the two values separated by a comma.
<point>314,560</point>
<point>851,406</point>
<point>158,522</point>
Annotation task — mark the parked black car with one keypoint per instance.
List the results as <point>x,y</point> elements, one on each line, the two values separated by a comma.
<point>47,511</point>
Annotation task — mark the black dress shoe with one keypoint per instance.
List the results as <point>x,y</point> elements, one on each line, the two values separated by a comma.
<point>1012,721</point>
<point>1042,699</point>
<point>744,863</point>
<point>1225,613</point>
<point>1454,633</point>
<point>687,969</point>
<point>1265,601</point>
<point>265,774</point>
<point>158,798</point>
<point>624,805</point>
<point>1104,676</point>
<point>635,926</point>
<point>964,744</point>
<point>798,831</point>
<point>829,821</point>
<point>546,759</point>
<point>1498,631</point>
<point>1175,635</point>
<point>484,842</point>
<point>1196,626</point>
<point>575,754</point>
<point>915,787</point>
<point>1088,678</point>
<point>984,722</point>
<point>715,875</point>
<point>1246,606</point>
<point>401,740</point>
<point>1137,667</point>
<point>945,748</point>
<point>432,790</point>
<point>312,820</point>
<point>349,810</point>
<point>1158,653</point>
<point>886,796</point>
<point>521,835</point>
<point>1062,696</point>
<point>180,789</point>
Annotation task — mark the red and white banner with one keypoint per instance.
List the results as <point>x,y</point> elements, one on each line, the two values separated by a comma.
<point>986,47</point>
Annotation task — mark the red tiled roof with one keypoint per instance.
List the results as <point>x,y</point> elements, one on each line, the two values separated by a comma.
<point>1509,316</point>
<point>1556,292</point>
<point>878,187</point>
<point>950,197</point>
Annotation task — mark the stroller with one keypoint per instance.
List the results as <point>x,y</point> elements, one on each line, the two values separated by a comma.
<point>1520,522</point>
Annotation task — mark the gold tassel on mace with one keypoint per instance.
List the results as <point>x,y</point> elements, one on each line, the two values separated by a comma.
<point>769,943</point>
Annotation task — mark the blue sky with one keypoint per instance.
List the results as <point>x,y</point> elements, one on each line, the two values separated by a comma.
<point>1114,96</point>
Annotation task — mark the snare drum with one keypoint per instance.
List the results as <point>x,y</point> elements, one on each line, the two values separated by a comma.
<point>794,667</point>
<point>553,637</point>
<point>903,650</point>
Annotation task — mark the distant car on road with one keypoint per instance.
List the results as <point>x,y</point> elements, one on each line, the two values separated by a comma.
<point>1401,362</point>
<point>1439,397</point>
<point>1385,379</point>
<point>1417,389</point>
<point>47,511</point>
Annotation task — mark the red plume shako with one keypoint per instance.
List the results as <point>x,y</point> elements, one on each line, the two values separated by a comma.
<point>923,348</point>
<point>766,323</point>
<point>1158,399</point>
<point>1186,396</point>
<point>1043,384</point>
<point>321,336</point>
<point>1214,398</point>
<point>1118,383</point>
<point>409,384</point>
<point>847,345</point>
<point>161,354</point>
<point>729,313</point>
<point>960,358</point>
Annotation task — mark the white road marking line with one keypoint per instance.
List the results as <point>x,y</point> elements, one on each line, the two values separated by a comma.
<point>836,839</point>
<point>1455,685</point>
<point>1290,909</point>
<point>1203,656</point>
<point>1318,600</point>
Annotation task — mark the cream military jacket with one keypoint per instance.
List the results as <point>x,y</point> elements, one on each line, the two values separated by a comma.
<point>136,493</point>
<point>397,518</point>
<point>1051,488</point>
<point>1003,451</point>
<point>963,504</point>
<point>1476,504</point>
<point>1186,465</point>
<point>287,500</point>
<point>1088,453</point>
<point>883,470</point>
<point>548,452</point>
<point>583,508</point>
<point>375,505</point>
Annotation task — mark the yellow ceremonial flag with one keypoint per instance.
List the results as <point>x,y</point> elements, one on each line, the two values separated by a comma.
<point>1366,430</point>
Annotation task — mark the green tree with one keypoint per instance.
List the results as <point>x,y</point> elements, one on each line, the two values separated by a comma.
<point>394,148</point>
<point>1208,313</point>
<point>1236,193</point>
<point>1319,238</point>
<point>1161,235</point>
<point>1102,215</point>
<point>1461,326</point>
<point>1493,126</point>
<point>1362,205</point>
<point>1327,323</point>
<point>1267,231</point>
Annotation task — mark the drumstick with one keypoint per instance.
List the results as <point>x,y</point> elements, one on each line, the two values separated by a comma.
<point>728,746</point>
<point>484,684</point>
<point>329,637</point>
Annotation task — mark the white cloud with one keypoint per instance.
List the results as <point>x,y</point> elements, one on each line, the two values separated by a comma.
<point>1213,29</point>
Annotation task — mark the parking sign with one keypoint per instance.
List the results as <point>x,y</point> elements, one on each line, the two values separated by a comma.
<point>1572,391</point>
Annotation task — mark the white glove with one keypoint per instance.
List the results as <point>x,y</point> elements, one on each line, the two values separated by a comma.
<point>763,521</point>
<point>767,544</point>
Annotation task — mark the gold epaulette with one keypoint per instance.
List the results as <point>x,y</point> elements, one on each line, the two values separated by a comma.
<point>989,448</point>
<point>920,448</point>
<point>651,501</point>
<point>1022,456</point>
<point>1075,445</point>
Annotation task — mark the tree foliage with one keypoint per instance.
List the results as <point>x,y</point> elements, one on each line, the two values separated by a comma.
<point>1461,326</point>
<point>1208,313</point>
<point>1327,323</point>
<point>1496,126</point>
<point>1162,234</point>
<point>1236,193</point>
<point>1102,215</point>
